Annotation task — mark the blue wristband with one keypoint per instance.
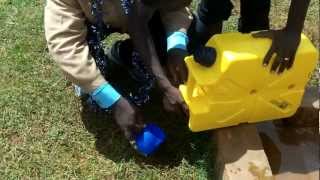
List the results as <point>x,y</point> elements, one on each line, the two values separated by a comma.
<point>177,40</point>
<point>105,96</point>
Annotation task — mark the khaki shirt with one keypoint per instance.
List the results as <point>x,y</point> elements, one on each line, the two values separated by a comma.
<point>66,31</point>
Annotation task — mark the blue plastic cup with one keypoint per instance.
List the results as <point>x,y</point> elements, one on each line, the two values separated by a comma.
<point>150,139</point>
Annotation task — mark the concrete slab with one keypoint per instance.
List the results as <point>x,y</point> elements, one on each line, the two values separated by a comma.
<point>293,152</point>
<point>240,154</point>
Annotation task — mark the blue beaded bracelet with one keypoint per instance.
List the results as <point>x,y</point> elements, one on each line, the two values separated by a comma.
<point>105,96</point>
<point>177,40</point>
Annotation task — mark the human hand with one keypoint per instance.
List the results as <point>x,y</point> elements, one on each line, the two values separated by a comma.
<point>176,66</point>
<point>173,101</point>
<point>284,44</point>
<point>128,118</point>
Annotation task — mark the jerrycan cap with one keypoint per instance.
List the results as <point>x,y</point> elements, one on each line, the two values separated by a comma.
<point>205,56</point>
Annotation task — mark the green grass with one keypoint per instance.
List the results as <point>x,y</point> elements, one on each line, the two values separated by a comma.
<point>45,133</point>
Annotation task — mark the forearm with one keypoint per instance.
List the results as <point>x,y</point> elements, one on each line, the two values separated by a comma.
<point>297,15</point>
<point>142,40</point>
<point>149,55</point>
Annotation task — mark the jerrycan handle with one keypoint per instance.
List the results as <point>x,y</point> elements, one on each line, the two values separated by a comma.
<point>205,56</point>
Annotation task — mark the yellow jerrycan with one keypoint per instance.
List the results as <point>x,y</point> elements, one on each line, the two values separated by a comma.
<point>238,89</point>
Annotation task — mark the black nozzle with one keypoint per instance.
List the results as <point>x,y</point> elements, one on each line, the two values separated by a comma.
<point>206,56</point>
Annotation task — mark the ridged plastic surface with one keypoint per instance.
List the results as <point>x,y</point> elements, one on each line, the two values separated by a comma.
<point>238,89</point>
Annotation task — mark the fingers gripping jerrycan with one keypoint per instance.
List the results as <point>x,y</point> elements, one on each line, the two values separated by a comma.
<point>238,89</point>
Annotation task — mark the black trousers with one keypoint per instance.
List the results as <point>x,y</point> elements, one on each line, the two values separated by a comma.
<point>254,16</point>
<point>254,13</point>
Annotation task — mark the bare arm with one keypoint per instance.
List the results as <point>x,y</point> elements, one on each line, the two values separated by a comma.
<point>297,14</point>
<point>285,41</point>
<point>143,42</point>
<point>142,39</point>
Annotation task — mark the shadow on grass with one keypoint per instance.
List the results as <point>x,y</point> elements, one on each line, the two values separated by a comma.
<point>196,148</point>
